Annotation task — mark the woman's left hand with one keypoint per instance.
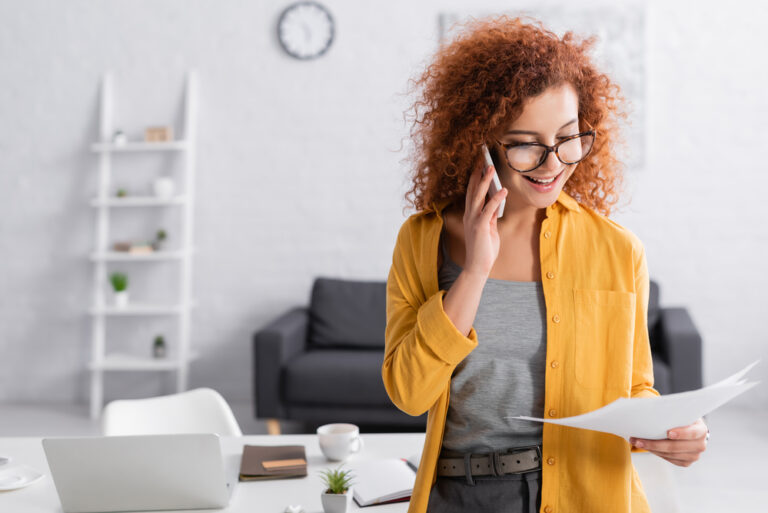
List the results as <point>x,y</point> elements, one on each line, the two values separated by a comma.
<point>682,447</point>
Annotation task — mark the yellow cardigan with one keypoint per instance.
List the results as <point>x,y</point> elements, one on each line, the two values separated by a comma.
<point>595,281</point>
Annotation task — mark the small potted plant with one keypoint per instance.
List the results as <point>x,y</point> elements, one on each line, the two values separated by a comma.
<point>119,138</point>
<point>120,286</point>
<point>337,496</point>
<point>159,239</point>
<point>158,348</point>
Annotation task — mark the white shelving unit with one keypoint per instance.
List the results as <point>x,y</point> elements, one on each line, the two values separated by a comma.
<point>102,360</point>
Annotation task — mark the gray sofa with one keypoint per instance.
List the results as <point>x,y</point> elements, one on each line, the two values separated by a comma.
<point>322,363</point>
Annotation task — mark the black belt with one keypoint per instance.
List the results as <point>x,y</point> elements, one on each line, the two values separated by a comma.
<point>513,461</point>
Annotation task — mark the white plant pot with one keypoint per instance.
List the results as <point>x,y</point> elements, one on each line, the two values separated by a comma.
<point>121,299</point>
<point>336,502</point>
<point>163,187</point>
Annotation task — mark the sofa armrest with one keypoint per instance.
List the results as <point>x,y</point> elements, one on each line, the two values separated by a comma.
<point>680,343</point>
<point>274,345</point>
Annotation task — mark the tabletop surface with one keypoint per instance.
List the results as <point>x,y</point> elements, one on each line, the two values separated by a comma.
<point>273,496</point>
<point>270,496</point>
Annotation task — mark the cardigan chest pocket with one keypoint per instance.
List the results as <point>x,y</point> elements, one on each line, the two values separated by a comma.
<point>604,326</point>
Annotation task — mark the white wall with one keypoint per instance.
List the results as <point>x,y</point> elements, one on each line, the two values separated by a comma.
<point>300,174</point>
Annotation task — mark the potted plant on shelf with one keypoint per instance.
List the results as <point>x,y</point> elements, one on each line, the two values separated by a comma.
<point>157,244</point>
<point>337,495</point>
<point>120,286</point>
<point>119,138</point>
<point>158,348</point>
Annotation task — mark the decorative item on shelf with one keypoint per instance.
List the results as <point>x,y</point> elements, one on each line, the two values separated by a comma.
<point>120,286</point>
<point>119,138</point>
<point>122,246</point>
<point>163,187</point>
<point>337,496</point>
<point>141,249</point>
<point>121,193</point>
<point>158,133</point>
<point>157,244</point>
<point>158,347</point>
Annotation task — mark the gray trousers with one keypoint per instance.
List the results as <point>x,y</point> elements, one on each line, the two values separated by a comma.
<point>510,493</point>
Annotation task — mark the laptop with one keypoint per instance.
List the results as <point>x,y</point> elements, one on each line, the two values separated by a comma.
<point>140,473</point>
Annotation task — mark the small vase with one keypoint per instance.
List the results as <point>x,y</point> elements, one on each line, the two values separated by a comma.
<point>163,187</point>
<point>119,138</point>
<point>336,502</point>
<point>158,350</point>
<point>121,299</point>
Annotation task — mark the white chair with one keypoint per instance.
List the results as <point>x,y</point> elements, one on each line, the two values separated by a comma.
<point>202,410</point>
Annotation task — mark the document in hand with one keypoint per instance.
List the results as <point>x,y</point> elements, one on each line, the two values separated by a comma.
<point>382,481</point>
<point>652,417</point>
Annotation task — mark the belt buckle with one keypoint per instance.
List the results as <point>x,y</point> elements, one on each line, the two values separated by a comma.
<point>524,448</point>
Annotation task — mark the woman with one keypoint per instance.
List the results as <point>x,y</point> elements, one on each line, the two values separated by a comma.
<point>541,312</point>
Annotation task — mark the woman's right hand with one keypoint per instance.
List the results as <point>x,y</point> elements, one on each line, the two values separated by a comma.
<point>481,235</point>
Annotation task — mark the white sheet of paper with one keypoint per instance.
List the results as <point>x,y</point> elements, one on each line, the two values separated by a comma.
<point>652,417</point>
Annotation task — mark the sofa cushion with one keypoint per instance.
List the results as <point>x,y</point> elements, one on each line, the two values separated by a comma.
<point>662,379</point>
<point>653,304</point>
<point>336,377</point>
<point>346,313</point>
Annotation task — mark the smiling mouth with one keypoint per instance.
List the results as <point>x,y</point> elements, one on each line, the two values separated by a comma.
<point>543,182</point>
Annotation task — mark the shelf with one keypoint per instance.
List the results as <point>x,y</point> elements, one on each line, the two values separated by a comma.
<point>139,201</point>
<point>175,309</point>
<point>137,309</point>
<point>125,256</point>
<point>125,362</point>
<point>103,147</point>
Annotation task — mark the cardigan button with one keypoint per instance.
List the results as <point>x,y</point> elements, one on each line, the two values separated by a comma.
<point>553,412</point>
<point>550,461</point>
<point>547,235</point>
<point>550,275</point>
<point>548,509</point>
<point>554,364</point>
<point>556,318</point>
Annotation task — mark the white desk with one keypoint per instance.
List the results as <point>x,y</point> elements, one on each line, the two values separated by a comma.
<point>252,497</point>
<point>272,496</point>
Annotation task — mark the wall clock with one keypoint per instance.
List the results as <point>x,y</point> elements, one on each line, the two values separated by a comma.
<point>305,30</point>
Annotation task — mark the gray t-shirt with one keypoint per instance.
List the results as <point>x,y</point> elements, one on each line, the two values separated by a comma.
<point>504,375</point>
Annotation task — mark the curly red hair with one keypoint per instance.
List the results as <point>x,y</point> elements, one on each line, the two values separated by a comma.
<point>481,80</point>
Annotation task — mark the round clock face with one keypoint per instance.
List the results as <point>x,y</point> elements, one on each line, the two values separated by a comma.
<point>305,30</point>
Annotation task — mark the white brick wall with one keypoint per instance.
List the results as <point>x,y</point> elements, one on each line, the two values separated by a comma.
<point>299,173</point>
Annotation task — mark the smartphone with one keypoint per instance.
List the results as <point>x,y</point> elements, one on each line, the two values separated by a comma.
<point>495,185</point>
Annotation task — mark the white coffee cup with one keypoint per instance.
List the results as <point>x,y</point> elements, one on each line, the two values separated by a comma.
<point>339,441</point>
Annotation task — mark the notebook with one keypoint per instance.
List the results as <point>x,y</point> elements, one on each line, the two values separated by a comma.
<point>273,462</point>
<point>383,481</point>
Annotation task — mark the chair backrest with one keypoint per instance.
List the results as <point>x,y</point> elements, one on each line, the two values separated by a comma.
<point>202,410</point>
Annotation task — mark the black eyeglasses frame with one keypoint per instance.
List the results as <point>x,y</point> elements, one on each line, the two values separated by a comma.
<point>548,149</point>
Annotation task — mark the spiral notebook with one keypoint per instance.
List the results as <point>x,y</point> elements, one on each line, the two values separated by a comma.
<point>383,481</point>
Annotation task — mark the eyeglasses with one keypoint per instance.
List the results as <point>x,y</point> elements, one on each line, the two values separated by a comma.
<point>525,157</point>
